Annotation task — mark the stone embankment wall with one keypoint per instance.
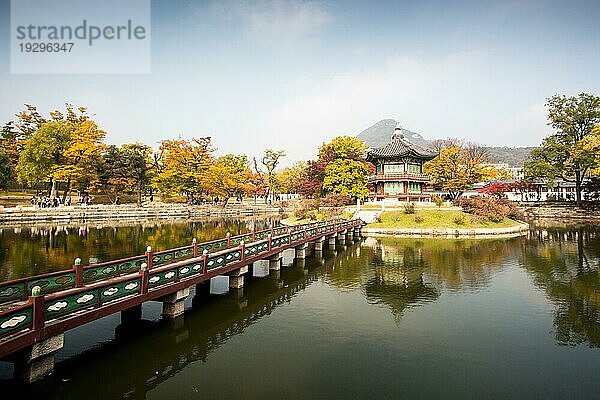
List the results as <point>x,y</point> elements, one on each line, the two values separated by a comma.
<point>125,212</point>
<point>518,230</point>
<point>561,213</point>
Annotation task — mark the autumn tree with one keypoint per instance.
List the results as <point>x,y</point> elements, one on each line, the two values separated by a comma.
<point>15,134</point>
<point>289,178</point>
<point>5,169</point>
<point>265,170</point>
<point>43,151</point>
<point>340,168</point>
<point>567,153</point>
<point>227,176</point>
<point>80,156</point>
<point>182,166</point>
<point>458,166</point>
<point>128,167</point>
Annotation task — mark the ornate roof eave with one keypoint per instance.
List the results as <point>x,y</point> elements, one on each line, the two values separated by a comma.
<point>426,157</point>
<point>399,147</point>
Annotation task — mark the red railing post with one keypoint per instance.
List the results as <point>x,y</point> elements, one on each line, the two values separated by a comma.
<point>253,234</point>
<point>145,276</point>
<point>195,247</point>
<point>228,239</point>
<point>78,272</point>
<point>243,250</point>
<point>38,301</point>
<point>270,237</point>
<point>149,257</point>
<point>271,230</point>
<point>204,257</point>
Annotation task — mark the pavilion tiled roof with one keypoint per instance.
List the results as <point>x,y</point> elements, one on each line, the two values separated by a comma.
<point>399,147</point>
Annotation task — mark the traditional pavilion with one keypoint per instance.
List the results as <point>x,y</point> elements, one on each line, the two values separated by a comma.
<point>399,169</point>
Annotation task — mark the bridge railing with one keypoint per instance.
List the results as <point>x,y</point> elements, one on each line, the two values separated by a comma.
<point>39,311</point>
<point>20,289</point>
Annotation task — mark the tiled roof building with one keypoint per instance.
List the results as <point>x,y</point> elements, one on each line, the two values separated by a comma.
<point>399,169</point>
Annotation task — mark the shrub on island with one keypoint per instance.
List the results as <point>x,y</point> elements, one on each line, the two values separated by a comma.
<point>491,208</point>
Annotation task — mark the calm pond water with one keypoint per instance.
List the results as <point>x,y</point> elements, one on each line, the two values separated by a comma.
<point>383,318</point>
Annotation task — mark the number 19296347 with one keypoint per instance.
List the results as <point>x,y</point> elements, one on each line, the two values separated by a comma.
<point>45,47</point>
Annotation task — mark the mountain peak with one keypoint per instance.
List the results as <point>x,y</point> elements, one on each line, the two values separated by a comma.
<point>381,133</point>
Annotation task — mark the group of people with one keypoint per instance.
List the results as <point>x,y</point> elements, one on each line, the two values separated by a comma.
<point>42,201</point>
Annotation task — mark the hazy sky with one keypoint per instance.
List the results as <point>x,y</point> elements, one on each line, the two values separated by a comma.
<point>292,74</point>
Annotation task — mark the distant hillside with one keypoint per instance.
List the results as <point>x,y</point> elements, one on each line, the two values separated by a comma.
<point>513,156</point>
<point>381,133</point>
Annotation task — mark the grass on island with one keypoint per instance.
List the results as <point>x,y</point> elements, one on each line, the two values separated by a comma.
<point>321,216</point>
<point>437,219</point>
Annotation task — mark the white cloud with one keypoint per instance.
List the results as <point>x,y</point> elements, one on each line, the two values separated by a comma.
<point>460,95</point>
<point>274,21</point>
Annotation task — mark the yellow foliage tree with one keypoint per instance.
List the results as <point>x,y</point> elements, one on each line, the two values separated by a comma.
<point>457,168</point>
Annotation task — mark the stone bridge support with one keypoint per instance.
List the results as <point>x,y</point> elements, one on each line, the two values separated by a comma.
<point>331,241</point>
<point>342,237</point>
<point>301,251</point>
<point>349,235</point>
<point>36,361</point>
<point>357,233</point>
<point>174,303</point>
<point>319,244</point>
<point>275,261</point>
<point>236,278</point>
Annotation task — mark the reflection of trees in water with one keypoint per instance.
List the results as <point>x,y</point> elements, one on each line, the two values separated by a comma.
<point>564,262</point>
<point>37,250</point>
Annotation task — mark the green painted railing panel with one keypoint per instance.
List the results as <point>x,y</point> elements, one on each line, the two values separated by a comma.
<point>12,291</point>
<point>15,321</point>
<point>54,282</point>
<point>236,240</point>
<point>165,257</point>
<point>212,246</point>
<point>297,236</point>
<point>64,305</point>
<point>280,241</point>
<point>132,265</point>
<point>121,289</point>
<point>162,277</point>
<point>223,259</point>
<point>261,235</point>
<point>279,231</point>
<point>256,249</point>
<point>189,270</point>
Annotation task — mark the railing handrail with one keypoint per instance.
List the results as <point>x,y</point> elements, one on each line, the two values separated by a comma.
<point>405,174</point>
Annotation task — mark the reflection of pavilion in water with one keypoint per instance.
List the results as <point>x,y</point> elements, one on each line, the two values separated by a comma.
<point>397,280</point>
<point>146,355</point>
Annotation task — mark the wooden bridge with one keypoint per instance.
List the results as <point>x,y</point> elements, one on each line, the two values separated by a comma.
<point>38,310</point>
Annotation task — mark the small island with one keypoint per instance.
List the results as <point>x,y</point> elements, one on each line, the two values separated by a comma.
<point>442,223</point>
